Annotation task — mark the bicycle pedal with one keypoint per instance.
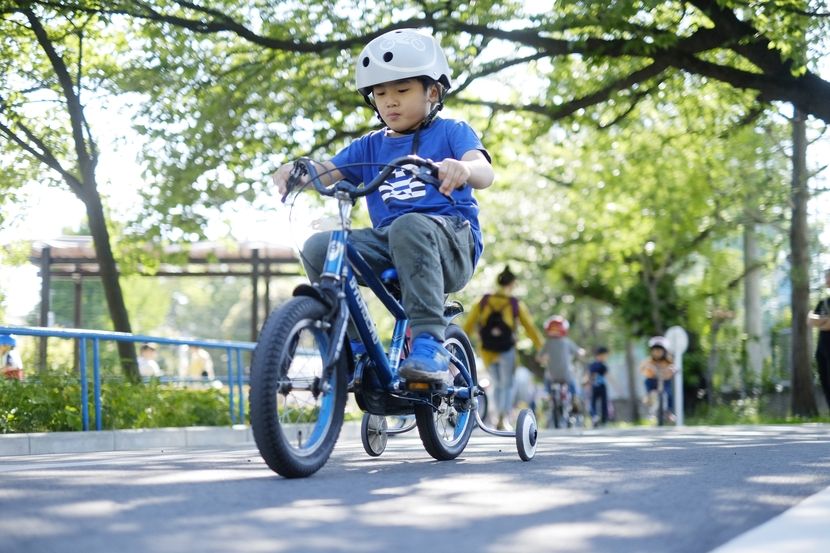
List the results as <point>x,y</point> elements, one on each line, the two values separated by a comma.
<point>415,386</point>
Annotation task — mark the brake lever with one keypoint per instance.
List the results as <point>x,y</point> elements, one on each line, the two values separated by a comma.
<point>294,178</point>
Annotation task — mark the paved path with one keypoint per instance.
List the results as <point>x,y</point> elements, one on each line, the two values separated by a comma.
<point>687,490</point>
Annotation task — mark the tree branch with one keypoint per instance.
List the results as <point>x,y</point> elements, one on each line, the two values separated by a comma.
<point>784,8</point>
<point>495,67</point>
<point>220,22</point>
<point>754,46</point>
<point>568,108</point>
<point>42,153</point>
<point>86,159</point>
<point>809,92</point>
<point>325,144</point>
<point>637,98</point>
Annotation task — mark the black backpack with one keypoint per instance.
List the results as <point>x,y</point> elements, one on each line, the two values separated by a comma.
<point>495,333</point>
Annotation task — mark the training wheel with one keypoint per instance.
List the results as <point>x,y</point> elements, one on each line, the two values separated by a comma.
<point>526,434</point>
<point>373,434</point>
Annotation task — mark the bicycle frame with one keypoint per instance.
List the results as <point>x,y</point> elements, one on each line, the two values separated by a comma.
<point>339,282</point>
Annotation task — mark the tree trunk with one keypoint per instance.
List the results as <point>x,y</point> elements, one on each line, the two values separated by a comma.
<point>651,280</point>
<point>752,307</point>
<point>109,279</point>
<point>631,371</point>
<point>713,359</point>
<point>803,395</point>
<point>84,184</point>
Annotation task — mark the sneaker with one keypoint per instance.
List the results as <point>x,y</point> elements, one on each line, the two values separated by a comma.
<point>428,362</point>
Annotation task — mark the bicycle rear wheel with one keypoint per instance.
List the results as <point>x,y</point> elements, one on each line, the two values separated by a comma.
<point>445,428</point>
<point>297,405</point>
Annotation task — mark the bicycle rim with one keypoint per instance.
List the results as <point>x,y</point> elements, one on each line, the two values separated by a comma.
<point>305,401</point>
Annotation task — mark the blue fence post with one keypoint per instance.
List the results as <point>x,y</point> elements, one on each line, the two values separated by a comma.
<point>84,385</point>
<point>229,353</point>
<point>241,393</point>
<point>96,375</point>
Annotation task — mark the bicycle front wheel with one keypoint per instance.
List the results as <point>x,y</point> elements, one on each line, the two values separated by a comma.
<point>445,427</point>
<point>296,404</point>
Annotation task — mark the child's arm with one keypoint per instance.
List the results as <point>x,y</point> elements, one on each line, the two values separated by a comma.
<point>473,169</point>
<point>280,176</point>
<point>818,321</point>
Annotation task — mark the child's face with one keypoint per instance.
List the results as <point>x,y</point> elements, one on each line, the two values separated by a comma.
<point>403,104</point>
<point>658,353</point>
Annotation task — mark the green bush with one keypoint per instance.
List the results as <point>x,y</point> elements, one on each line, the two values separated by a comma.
<point>744,411</point>
<point>51,403</point>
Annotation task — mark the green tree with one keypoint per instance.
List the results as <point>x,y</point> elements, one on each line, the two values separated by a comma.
<point>48,66</point>
<point>241,85</point>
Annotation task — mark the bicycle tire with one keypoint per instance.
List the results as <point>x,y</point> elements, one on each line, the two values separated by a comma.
<point>374,434</point>
<point>445,430</point>
<point>296,409</point>
<point>556,409</point>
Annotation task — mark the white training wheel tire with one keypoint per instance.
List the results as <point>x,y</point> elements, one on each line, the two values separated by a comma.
<point>373,434</point>
<point>526,434</point>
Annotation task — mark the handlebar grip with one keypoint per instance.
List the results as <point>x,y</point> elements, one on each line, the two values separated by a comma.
<point>298,170</point>
<point>428,174</point>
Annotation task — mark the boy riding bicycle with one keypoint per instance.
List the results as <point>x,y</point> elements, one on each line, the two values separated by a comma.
<point>431,236</point>
<point>557,357</point>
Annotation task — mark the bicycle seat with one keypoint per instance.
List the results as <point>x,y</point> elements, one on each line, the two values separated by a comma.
<point>389,275</point>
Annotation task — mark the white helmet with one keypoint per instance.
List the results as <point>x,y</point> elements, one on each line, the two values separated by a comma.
<point>659,342</point>
<point>400,54</point>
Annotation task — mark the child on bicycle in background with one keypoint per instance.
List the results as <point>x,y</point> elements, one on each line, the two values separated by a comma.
<point>430,235</point>
<point>658,371</point>
<point>557,357</point>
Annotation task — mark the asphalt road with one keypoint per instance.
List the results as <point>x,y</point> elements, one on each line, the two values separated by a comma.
<point>679,490</point>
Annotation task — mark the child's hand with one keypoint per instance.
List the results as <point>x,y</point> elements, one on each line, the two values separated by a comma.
<point>453,174</point>
<point>280,178</point>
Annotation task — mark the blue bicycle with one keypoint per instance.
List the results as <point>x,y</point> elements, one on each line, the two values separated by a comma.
<point>303,365</point>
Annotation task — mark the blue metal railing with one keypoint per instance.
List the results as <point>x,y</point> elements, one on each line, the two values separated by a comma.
<point>234,362</point>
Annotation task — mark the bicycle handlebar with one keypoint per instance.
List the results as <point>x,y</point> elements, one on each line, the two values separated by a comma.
<point>427,172</point>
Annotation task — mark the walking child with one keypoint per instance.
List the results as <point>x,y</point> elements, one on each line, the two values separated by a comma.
<point>497,317</point>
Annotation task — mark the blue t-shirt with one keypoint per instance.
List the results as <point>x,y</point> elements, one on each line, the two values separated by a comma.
<point>598,369</point>
<point>442,139</point>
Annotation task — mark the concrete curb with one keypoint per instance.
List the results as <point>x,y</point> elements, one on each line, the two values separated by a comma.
<point>43,443</point>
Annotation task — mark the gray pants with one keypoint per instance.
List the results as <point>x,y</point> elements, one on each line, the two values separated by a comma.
<point>432,254</point>
<point>501,371</point>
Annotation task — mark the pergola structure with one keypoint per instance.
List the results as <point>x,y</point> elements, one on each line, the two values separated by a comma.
<point>74,257</point>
